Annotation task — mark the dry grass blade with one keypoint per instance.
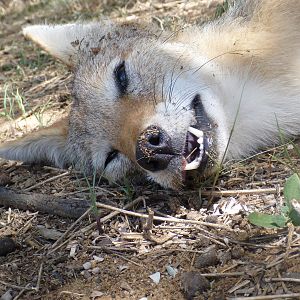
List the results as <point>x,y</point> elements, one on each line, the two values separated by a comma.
<point>271,297</point>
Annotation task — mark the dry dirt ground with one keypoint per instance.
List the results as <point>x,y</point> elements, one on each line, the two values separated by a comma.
<point>113,258</point>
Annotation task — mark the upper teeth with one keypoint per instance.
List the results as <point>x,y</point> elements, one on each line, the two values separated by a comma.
<point>198,133</point>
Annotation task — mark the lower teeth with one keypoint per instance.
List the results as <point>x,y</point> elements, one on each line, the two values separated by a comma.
<point>195,163</point>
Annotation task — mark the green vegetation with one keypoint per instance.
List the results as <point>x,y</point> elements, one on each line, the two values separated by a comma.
<point>13,101</point>
<point>221,8</point>
<point>290,211</point>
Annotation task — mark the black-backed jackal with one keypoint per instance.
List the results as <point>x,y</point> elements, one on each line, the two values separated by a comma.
<point>171,105</point>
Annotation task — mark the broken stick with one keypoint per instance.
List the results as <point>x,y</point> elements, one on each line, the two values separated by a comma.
<point>48,204</point>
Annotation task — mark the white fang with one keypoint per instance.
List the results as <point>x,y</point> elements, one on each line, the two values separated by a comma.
<point>198,133</point>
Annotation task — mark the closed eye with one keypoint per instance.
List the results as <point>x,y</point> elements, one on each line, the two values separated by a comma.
<point>121,77</point>
<point>110,156</point>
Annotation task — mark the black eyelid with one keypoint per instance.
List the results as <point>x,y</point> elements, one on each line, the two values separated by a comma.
<point>121,77</point>
<point>110,156</point>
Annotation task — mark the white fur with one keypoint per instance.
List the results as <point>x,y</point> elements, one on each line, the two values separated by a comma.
<point>61,41</point>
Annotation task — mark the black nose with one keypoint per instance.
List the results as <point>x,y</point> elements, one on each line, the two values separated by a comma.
<point>154,149</point>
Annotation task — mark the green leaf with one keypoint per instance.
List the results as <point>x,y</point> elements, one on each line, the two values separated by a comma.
<point>267,221</point>
<point>295,212</point>
<point>284,210</point>
<point>292,189</point>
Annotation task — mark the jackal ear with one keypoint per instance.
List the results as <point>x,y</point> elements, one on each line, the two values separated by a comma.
<point>61,41</point>
<point>44,145</point>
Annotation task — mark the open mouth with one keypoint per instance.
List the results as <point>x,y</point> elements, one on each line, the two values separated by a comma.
<point>198,139</point>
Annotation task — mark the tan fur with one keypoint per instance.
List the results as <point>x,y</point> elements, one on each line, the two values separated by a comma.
<point>261,41</point>
<point>131,124</point>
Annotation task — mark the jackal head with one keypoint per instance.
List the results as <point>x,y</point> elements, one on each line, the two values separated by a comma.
<point>142,100</point>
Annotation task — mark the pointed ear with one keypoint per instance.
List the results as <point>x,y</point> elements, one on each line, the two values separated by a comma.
<point>61,41</point>
<point>44,145</point>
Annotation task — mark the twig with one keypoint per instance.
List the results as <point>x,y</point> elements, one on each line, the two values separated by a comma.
<point>38,283</point>
<point>114,213</point>
<point>241,192</point>
<point>285,289</point>
<point>21,292</point>
<point>104,248</point>
<point>238,286</point>
<point>46,181</point>
<point>279,261</point>
<point>282,279</point>
<point>228,274</point>
<point>48,204</point>
<point>171,219</point>
<point>289,240</point>
<point>69,230</point>
<point>252,244</point>
<point>71,293</point>
<point>127,259</point>
<point>271,297</point>
<point>17,287</point>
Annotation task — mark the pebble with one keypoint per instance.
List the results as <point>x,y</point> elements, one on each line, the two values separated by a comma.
<point>87,265</point>
<point>225,257</point>
<point>98,258</point>
<point>237,252</point>
<point>4,180</point>
<point>193,283</point>
<point>7,245</point>
<point>155,277</point>
<point>7,295</point>
<point>96,270</point>
<point>207,259</point>
<point>171,271</point>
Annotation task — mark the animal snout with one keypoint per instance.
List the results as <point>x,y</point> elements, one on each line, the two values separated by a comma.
<point>153,149</point>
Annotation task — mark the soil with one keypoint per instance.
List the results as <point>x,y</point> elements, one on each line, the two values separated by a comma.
<point>219,254</point>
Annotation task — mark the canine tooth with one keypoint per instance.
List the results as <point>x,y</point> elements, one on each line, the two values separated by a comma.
<point>198,133</point>
<point>201,147</point>
<point>192,165</point>
<point>200,141</point>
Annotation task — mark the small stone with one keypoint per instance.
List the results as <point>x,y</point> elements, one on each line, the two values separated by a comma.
<point>7,295</point>
<point>96,295</point>
<point>155,277</point>
<point>193,283</point>
<point>14,267</point>
<point>98,258</point>
<point>224,257</point>
<point>87,265</point>
<point>96,270</point>
<point>171,271</point>
<point>237,252</point>
<point>125,286</point>
<point>4,180</point>
<point>7,245</point>
<point>49,233</point>
<point>209,258</point>
<point>73,250</point>
<point>87,274</point>
<point>211,219</point>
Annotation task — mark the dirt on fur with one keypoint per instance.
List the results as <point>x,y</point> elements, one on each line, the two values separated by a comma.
<point>207,250</point>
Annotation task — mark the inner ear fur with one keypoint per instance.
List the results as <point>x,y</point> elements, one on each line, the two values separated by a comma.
<point>45,145</point>
<point>63,41</point>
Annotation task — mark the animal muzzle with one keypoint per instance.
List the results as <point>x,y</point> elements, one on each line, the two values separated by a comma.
<point>154,149</point>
